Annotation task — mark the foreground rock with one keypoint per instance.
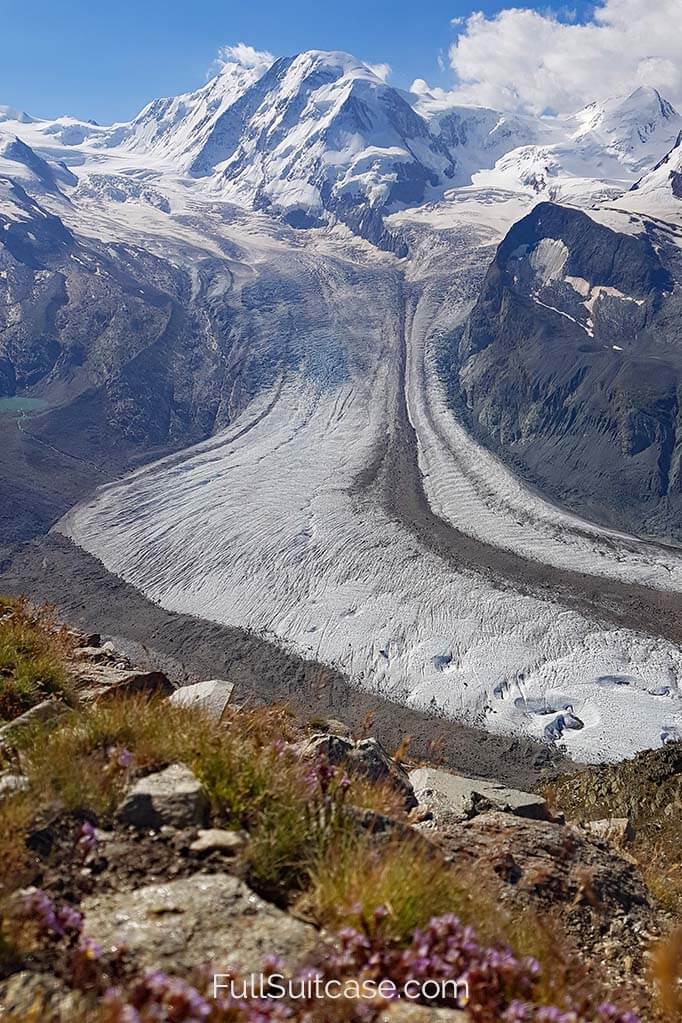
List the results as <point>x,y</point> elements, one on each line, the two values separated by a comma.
<point>367,757</point>
<point>212,697</point>
<point>601,900</point>
<point>206,918</point>
<point>461,798</point>
<point>46,710</point>
<point>39,998</point>
<point>173,798</point>
<point>218,840</point>
<point>97,680</point>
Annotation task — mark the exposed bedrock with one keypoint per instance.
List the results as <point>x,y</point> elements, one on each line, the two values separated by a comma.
<point>570,367</point>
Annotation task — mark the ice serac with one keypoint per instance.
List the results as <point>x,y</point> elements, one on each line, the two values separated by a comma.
<point>569,366</point>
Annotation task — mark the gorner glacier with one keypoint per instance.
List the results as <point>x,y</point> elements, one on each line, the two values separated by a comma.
<point>301,246</point>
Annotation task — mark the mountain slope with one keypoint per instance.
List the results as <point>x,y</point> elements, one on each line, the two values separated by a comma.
<point>569,366</point>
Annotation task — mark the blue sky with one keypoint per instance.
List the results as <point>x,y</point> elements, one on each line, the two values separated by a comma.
<point>104,59</point>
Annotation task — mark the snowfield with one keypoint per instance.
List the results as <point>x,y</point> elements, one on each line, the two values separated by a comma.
<point>281,522</point>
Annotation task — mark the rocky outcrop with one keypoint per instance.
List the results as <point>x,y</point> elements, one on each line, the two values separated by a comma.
<point>99,681</point>
<point>453,796</point>
<point>552,868</point>
<point>172,798</point>
<point>645,789</point>
<point>207,918</point>
<point>568,367</point>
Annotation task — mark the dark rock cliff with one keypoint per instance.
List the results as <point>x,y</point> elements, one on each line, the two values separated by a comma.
<point>570,367</point>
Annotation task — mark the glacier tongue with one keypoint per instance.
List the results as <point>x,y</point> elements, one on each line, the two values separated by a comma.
<point>275,525</point>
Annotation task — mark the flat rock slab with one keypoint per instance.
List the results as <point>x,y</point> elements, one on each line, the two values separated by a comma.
<point>174,798</point>
<point>211,696</point>
<point>212,919</point>
<point>616,830</point>
<point>468,796</point>
<point>100,680</point>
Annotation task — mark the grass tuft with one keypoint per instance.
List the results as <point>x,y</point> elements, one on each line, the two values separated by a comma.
<point>362,875</point>
<point>33,654</point>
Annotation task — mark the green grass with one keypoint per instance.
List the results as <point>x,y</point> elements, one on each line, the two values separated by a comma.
<point>33,655</point>
<point>360,875</point>
<point>253,782</point>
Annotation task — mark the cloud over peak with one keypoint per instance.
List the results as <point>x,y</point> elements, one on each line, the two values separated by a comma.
<point>524,60</point>
<point>247,56</point>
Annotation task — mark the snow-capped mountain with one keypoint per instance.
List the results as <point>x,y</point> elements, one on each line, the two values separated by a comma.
<point>21,163</point>
<point>319,138</point>
<point>312,135</point>
<point>477,137</point>
<point>595,154</point>
<point>660,190</point>
<point>634,130</point>
<point>179,128</point>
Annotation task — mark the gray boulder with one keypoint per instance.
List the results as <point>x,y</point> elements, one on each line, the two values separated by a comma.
<point>205,918</point>
<point>46,710</point>
<point>98,680</point>
<point>464,797</point>
<point>212,697</point>
<point>172,798</point>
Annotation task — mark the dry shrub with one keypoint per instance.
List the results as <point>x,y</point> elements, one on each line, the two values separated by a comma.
<point>15,817</point>
<point>666,965</point>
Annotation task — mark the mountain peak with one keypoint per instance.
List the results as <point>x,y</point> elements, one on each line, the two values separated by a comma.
<point>11,114</point>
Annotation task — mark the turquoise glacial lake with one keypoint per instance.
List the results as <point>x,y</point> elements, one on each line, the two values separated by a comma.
<point>19,404</point>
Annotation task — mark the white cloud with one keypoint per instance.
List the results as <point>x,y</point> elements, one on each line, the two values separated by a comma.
<point>245,55</point>
<point>523,60</point>
<point>382,71</point>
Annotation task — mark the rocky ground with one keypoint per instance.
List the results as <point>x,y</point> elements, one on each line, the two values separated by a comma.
<point>166,878</point>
